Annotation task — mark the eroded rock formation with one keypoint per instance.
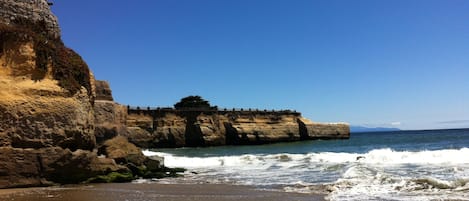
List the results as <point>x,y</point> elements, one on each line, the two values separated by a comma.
<point>46,134</point>
<point>110,117</point>
<point>13,12</point>
<point>176,128</point>
<point>56,124</point>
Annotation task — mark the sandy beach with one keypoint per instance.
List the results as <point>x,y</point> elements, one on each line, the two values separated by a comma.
<point>144,192</point>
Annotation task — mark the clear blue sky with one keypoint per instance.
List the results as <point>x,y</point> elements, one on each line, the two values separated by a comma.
<point>401,63</point>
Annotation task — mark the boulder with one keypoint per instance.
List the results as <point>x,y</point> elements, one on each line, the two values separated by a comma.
<point>79,166</point>
<point>154,162</point>
<point>45,166</point>
<point>122,151</point>
<point>20,168</point>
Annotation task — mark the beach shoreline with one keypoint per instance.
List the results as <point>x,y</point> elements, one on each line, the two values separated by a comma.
<point>152,191</point>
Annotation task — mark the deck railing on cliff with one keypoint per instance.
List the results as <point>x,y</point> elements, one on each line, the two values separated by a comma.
<point>148,109</point>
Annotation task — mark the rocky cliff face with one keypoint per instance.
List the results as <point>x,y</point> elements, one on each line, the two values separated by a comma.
<point>54,119</point>
<point>103,91</point>
<point>39,113</point>
<point>316,130</point>
<point>110,117</point>
<point>12,12</point>
<point>46,134</point>
<point>166,131</point>
<point>49,136</point>
<point>262,128</point>
<point>173,128</point>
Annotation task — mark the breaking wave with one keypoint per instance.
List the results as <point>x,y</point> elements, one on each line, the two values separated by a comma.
<point>377,156</point>
<point>380,174</point>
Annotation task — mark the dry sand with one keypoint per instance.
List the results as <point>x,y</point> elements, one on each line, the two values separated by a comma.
<point>151,192</point>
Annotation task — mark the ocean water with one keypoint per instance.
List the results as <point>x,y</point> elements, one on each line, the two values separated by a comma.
<point>404,165</point>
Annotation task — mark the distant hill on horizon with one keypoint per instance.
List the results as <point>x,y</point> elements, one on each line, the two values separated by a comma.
<point>362,129</point>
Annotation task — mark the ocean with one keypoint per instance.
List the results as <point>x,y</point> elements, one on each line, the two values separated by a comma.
<point>401,165</point>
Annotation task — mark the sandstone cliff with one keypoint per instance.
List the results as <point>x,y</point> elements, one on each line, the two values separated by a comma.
<point>110,117</point>
<point>57,124</point>
<point>175,128</point>
<point>46,133</point>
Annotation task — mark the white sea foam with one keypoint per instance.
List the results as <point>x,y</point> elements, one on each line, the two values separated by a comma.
<point>378,156</point>
<point>380,174</point>
<point>371,183</point>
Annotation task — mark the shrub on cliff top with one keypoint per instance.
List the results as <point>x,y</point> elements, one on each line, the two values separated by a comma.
<point>67,66</point>
<point>192,102</point>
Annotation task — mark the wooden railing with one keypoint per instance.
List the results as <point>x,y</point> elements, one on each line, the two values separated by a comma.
<point>134,109</point>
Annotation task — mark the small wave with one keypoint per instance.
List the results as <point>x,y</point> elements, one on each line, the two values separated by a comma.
<point>377,156</point>
<point>434,183</point>
<point>446,156</point>
<point>307,188</point>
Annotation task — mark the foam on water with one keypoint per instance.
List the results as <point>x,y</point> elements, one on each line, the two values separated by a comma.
<point>378,156</point>
<point>371,183</point>
<point>380,174</point>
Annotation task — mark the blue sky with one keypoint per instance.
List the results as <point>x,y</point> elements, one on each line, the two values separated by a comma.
<point>401,63</point>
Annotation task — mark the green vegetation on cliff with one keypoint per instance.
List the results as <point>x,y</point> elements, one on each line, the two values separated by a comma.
<point>192,102</point>
<point>67,66</point>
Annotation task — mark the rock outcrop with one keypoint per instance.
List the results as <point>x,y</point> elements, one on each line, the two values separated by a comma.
<point>316,130</point>
<point>26,167</point>
<point>167,130</point>
<point>14,12</point>
<point>176,128</point>
<point>103,91</point>
<point>57,124</point>
<point>110,117</point>
<point>46,134</point>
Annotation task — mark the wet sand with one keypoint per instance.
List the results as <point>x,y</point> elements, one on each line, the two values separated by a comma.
<point>151,192</point>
